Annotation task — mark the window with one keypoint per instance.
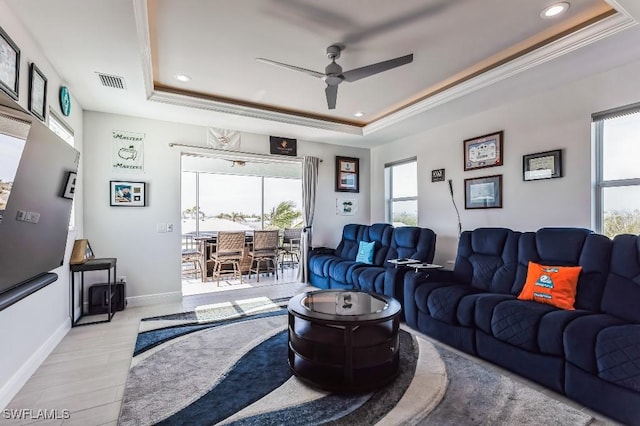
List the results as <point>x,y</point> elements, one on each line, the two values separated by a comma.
<point>617,191</point>
<point>222,194</point>
<point>401,192</point>
<point>61,129</point>
<point>66,134</point>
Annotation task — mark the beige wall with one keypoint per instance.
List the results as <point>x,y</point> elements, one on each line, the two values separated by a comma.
<point>151,260</point>
<point>555,119</point>
<point>32,327</point>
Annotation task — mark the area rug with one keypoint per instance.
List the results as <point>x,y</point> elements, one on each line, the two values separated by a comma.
<point>227,364</point>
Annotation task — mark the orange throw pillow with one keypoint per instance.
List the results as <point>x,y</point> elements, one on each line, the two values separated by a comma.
<point>552,285</point>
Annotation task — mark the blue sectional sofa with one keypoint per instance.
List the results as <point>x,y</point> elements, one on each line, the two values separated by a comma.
<point>338,268</point>
<point>591,354</point>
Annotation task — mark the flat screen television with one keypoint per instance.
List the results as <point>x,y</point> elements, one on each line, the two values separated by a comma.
<point>34,212</point>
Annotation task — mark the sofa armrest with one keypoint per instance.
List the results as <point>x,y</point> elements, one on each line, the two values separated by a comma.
<point>322,250</point>
<point>412,281</point>
<point>440,275</point>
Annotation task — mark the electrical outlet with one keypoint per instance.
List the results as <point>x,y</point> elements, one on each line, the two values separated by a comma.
<point>161,227</point>
<point>122,279</point>
<point>169,227</point>
<point>32,217</point>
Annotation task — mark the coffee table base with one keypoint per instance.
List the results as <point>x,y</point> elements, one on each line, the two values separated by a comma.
<point>344,357</point>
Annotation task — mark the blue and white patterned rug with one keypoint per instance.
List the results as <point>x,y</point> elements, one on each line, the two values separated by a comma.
<point>227,364</point>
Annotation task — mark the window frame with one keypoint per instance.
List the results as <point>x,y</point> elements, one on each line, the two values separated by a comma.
<point>388,188</point>
<point>600,184</point>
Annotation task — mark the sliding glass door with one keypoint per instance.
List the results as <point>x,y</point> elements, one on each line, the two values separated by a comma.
<point>219,195</point>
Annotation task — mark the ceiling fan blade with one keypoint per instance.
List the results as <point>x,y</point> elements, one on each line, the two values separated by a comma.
<point>358,73</point>
<point>332,95</point>
<point>291,67</point>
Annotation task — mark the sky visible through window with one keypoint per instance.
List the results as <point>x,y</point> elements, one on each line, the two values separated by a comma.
<point>236,198</point>
<point>621,160</point>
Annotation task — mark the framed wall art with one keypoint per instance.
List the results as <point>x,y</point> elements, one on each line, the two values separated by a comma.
<point>128,194</point>
<point>542,165</point>
<point>347,174</point>
<point>37,92</point>
<point>283,146</point>
<point>9,65</point>
<point>346,206</point>
<point>483,192</point>
<point>483,151</point>
<point>70,186</point>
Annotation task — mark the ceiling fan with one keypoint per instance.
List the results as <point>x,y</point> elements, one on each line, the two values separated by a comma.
<point>333,74</point>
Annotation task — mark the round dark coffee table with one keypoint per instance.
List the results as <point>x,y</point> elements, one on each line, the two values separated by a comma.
<point>344,341</point>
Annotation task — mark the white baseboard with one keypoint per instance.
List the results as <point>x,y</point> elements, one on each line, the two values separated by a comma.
<point>154,299</point>
<point>17,381</point>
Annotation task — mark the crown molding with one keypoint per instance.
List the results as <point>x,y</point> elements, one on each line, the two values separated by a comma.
<point>250,112</point>
<point>583,37</point>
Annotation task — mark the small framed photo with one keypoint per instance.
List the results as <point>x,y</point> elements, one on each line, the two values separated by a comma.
<point>37,92</point>
<point>483,192</point>
<point>483,151</point>
<point>346,206</point>
<point>347,174</point>
<point>9,65</point>
<point>542,165</point>
<point>70,186</point>
<point>128,194</point>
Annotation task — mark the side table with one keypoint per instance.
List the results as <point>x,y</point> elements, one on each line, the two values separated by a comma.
<point>102,264</point>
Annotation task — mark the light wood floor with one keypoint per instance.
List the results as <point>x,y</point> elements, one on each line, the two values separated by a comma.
<point>87,371</point>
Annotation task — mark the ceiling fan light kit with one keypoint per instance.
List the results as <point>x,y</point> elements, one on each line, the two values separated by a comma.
<point>333,74</point>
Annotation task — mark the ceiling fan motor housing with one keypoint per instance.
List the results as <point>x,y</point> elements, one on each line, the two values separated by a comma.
<point>333,74</point>
<point>333,52</point>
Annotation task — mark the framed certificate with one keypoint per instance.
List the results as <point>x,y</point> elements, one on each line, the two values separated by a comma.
<point>483,192</point>
<point>347,174</point>
<point>542,165</point>
<point>483,151</point>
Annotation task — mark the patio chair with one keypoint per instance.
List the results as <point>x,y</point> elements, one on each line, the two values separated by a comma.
<point>191,262</point>
<point>265,249</point>
<point>229,251</point>
<point>290,247</point>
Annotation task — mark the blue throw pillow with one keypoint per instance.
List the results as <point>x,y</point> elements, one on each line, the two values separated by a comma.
<point>365,252</point>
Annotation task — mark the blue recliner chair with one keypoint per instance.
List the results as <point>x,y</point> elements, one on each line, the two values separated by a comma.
<point>408,242</point>
<point>338,268</point>
<point>603,351</point>
<point>334,268</point>
<point>436,302</point>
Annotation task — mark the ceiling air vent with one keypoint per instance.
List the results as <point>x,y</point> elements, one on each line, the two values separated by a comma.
<point>112,81</point>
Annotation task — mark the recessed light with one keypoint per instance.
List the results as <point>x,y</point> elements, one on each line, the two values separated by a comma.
<point>555,10</point>
<point>359,114</point>
<point>182,77</point>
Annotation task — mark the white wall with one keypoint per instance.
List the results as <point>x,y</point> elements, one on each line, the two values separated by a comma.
<point>151,260</point>
<point>556,119</point>
<point>32,327</point>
